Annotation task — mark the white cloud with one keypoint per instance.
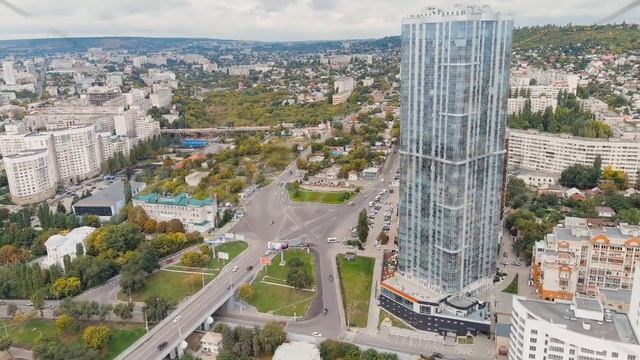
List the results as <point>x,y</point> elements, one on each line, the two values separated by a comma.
<point>265,19</point>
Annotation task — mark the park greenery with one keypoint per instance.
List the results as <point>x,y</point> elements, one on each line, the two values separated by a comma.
<point>568,117</point>
<point>578,39</point>
<point>296,193</point>
<point>285,290</point>
<point>250,160</point>
<point>245,343</point>
<point>337,350</point>
<point>258,106</point>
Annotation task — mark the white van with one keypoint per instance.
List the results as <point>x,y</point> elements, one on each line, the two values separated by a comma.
<point>332,240</point>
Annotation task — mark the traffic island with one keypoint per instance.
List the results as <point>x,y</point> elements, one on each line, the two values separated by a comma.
<point>355,274</point>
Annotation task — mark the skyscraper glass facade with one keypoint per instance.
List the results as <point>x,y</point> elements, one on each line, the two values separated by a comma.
<point>455,68</point>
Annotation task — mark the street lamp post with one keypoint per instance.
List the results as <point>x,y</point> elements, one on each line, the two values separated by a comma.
<point>146,320</point>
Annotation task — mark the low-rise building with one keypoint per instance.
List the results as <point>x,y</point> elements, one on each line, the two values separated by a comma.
<point>516,105</point>
<point>536,179</point>
<point>58,246</point>
<point>583,256</point>
<point>297,350</point>
<point>108,202</point>
<point>195,178</point>
<point>211,342</point>
<point>196,215</point>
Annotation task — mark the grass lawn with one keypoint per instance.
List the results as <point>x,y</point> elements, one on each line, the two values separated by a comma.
<point>513,287</point>
<point>394,320</point>
<point>355,286</point>
<point>322,197</point>
<point>282,300</point>
<point>176,285</point>
<point>27,332</point>
<point>233,248</point>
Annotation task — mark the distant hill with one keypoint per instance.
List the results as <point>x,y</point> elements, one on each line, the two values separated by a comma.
<point>615,38</point>
<point>576,38</point>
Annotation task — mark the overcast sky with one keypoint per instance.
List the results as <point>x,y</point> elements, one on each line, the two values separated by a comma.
<point>265,19</point>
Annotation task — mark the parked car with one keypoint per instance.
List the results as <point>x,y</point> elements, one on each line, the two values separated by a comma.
<point>325,311</point>
<point>162,345</point>
<point>235,268</point>
<point>250,267</point>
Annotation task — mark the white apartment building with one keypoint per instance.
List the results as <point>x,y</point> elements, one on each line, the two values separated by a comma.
<point>31,175</point>
<point>515,105</point>
<point>583,256</point>
<point>592,104</point>
<point>552,153</point>
<point>343,85</point>
<point>125,124</point>
<point>578,330</point>
<point>77,153</point>
<point>146,128</point>
<point>110,145</point>
<point>9,74</point>
<point>161,97</point>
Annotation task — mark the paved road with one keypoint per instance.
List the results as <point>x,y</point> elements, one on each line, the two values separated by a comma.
<point>193,312</point>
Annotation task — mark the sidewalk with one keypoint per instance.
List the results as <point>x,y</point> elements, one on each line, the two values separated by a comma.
<point>374,309</point>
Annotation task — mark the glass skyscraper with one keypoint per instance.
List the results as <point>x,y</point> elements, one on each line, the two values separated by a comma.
<point>455,78</point>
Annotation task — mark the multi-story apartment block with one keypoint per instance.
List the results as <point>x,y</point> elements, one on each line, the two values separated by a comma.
<point>31,175</point>
<point>98,95</point>
<point>516,105</point>
<point>594,105</point>
<point>77,153</point>
<point>195,215</point>
<point>9,76</point>
<point>552,153</point>
<point>581,329</point>
<point>579,256</point>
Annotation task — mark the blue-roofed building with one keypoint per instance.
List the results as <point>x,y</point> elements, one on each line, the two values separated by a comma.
<point>195,214</point>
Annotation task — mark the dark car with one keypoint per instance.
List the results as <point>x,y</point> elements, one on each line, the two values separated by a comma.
<point>330,277</point>
<point>325,311</point>
<point>437,355</point>
<point>162,346</point>
<point>250,267</point>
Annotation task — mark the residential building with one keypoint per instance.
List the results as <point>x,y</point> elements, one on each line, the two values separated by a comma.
<point>107,202</point>
<point>535,178</point>
<point>146,128</point>
<point>161,97</point>
<point>211,342</point>
<point>580,329</point>
<point>450,177</point>
<point>552,153</point>
<point>583,256</point>
<point>9,75</point>
<point>516,105</point>
<point>98,95</point>
<point>195,215</point>
<point>297,350</point>
<point>594,105</point>
<point>77,153</point>
<point>194,178</point>
<point>58,246</point>
<point>31,175</point>
<point>342,88</point>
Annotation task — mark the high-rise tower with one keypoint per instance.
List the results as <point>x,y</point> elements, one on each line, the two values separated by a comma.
<point>455,78</point>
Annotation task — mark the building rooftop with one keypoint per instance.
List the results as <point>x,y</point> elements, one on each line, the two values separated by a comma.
<point>297,350</point>
<point>110,195</point>
<point>415,290</point>
<point>503,330</point>
<point>561,314</point>
<point>619,295</point>
<point>76,235</point>
<point>182,199</point>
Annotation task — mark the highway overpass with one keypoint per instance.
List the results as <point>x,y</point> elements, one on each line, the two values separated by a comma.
<point>194,312</point>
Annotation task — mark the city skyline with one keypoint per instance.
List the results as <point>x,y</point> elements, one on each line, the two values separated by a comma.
<point>269,20</point>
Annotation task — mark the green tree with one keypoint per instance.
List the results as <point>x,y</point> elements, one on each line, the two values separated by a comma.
<point>246,292</point>
<point>132,279</point>
<point>37,299</point>
<point>157,309</point>
<point>271,336</point>
<point>5,343</point>
<point>362,227</point>
<point>123,310</point>
<point>518,193</point>
<point>91,220</point>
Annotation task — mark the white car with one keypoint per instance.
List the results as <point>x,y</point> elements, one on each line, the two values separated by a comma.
<point>235,268</point>
<point>316,334</point>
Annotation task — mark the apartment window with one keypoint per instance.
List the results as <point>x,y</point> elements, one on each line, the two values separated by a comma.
<point>614,355</point>
<point>534,332</point>
<point>532,348</point>
<point>631,357</point>
<point>533,340</point>
<point>532,356</point>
